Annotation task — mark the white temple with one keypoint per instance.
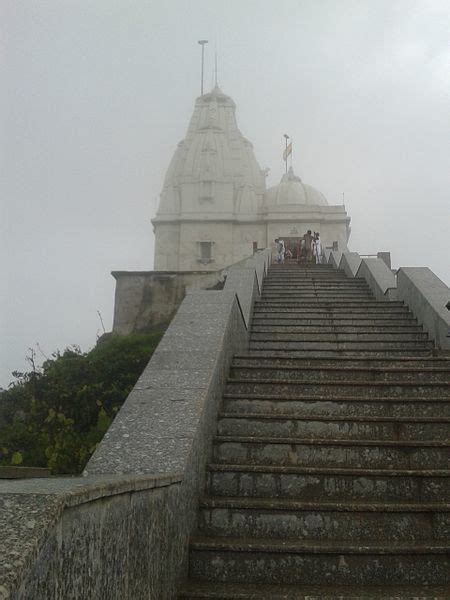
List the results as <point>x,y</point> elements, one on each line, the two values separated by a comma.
<point>215,209</point>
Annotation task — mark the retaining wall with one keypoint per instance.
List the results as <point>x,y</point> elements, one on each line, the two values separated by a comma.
<point>122,530</point>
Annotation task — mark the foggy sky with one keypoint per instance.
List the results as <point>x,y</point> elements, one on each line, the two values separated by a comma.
<point>98,94</point>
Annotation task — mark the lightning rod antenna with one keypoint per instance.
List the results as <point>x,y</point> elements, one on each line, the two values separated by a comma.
<point>202,44</point>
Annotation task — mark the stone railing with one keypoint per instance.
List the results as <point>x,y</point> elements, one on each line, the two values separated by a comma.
<point>418,287</point>
<point>122,530</point>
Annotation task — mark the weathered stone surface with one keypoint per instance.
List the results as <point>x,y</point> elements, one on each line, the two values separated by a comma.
<point>78,537</point>
<point>380,278</point>
<point>349,263</point>
<point>147,300</point>
<point>427,296</point>
<point>331,463</point>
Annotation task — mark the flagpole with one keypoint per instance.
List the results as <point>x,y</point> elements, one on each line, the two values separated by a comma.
<point>202,44</point>
<point>286,137</point>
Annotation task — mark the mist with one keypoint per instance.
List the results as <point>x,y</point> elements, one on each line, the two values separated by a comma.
<point>97,96</point>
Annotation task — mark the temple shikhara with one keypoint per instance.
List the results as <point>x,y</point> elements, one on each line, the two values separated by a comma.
<point>215,208</point>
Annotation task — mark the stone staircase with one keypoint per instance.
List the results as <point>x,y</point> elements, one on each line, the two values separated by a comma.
<point>330,474</point>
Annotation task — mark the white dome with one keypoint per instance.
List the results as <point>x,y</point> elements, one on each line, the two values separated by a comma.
<point>292,190</point>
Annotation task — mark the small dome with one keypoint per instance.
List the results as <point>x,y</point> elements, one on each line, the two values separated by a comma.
<point>292,190</point>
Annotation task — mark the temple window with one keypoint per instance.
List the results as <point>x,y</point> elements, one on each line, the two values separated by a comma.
<point>205,252</point>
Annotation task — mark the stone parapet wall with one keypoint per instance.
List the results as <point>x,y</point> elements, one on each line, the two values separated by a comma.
<point>427,296</point>
<point>127,535</point>
<point>88,537</point>
<point>380,278</point>
<point>418,287</point>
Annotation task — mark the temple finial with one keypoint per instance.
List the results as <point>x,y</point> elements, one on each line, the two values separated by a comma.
<point>215,69</point>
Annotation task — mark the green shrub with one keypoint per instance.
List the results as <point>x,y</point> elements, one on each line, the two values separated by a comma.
<point>55,417</point>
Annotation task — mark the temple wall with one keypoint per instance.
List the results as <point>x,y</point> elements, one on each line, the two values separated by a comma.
<point>146,301</point>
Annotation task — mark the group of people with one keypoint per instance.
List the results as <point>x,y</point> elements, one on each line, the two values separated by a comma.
<point>309,249</point>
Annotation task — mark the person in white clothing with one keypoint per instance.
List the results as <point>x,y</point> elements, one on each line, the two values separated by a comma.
<point>317,248</point>
<point>281,251</point>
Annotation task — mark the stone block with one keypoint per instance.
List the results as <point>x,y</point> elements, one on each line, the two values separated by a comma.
<point>380,278</point>
<point>427,297</point>
<point>349,263</point>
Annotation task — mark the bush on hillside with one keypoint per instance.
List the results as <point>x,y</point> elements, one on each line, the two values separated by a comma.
<point>55,416</point>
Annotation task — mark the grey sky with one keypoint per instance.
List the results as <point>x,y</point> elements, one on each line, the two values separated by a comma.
<point>99,93</point>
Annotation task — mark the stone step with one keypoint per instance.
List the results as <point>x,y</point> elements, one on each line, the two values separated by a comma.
<point>288,518</point>
<point>350,296</point>
<point>315,287</point>
<point>333,484</point>
<point>330,304</point>
<point>259,326</point>
<point>289,269</point>
<point>312,388</point>
<point>296,278</point>
<point>311,356</point>
<point>258,560</point>
<point>331,453</point>
<point>332,312</point>
<point>314,352</point>
<point>338,336</point>
<point>200,590</point>
<point>343,427</point>
<point>299,280</point>
<point>344,286</point>
<point>255,371</point>
<point>289,278</point>
<point>364,346</point>
<point>325,288</point>
<point>306,274</point>
<point>283,360</point>
<point>337,405</point>
<point>360,321</point>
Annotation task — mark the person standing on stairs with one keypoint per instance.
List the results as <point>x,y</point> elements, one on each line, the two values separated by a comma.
<point>308,245</point>
<point>317,248</point>
<point>281,251</point>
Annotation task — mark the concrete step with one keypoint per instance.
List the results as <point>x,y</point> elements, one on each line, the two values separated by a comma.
<point>338,336</point>
<point>331,312</point>
<point>328,483</point>
<point>288,518</point>
<point>365,347</point>
<point>287,273</point>
<point>366,390</point>
<point>328,296</point>
<point>313,352</point>
<point>332,453</point>
<point>255,371</point>
<point>290,329</point>
<point>341,428</point>
<point>324,320</point>
<point>258,560</point>
<point>287,279</point>
<point>337,405</point>
<point>315,287</point>
<point>321,358</point>
<point>200,590</point>
<point>284,360</point>
<point>330,304</point>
